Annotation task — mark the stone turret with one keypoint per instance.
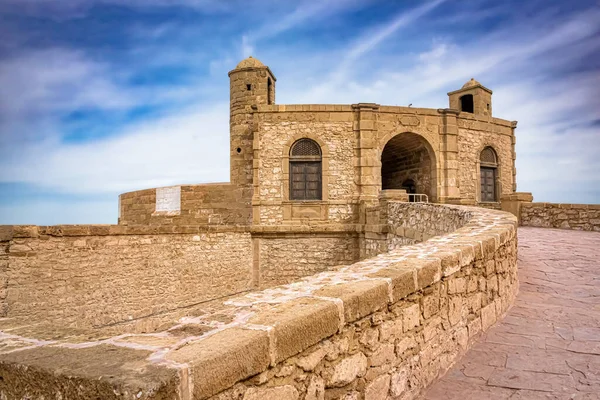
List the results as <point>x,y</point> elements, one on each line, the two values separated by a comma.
<point>473,97</point>
<point>251,84</point>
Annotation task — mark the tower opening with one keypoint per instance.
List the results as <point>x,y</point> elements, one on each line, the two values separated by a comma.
<point>466,103</point>
<point>407,163</point>
<point>269,89</point>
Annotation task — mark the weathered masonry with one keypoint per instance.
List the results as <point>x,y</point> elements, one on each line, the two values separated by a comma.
<point>379,292</point>
<point>316,164</point>
<point>119,313</point>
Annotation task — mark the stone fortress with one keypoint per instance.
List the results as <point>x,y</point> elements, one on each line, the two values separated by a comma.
<point>316,164</point>
<point>357,252</point>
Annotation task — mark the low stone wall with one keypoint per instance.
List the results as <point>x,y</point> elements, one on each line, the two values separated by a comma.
<point>93,276</point>
<point>286,258</point>
<point>207,204</point>
<point>382,327</point>
<point>585,217</point>
<point>395,224</point>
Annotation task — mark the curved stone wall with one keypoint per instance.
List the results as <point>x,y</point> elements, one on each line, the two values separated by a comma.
<point>384,326</point>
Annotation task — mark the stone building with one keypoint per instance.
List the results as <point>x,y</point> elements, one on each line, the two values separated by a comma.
<point>315,164</point>
<point>305,179</point>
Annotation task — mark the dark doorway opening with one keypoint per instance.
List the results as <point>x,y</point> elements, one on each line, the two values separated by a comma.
<point>466,103</point>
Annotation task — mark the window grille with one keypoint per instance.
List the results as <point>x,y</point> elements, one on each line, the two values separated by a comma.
<point>488,156</point>
<point>305,170</point>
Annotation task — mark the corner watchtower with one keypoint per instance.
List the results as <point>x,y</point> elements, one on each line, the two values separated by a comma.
<point>251,84</point>
<point>473,97</point>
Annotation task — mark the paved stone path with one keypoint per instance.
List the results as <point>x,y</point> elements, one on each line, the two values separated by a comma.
<point>548,346</point>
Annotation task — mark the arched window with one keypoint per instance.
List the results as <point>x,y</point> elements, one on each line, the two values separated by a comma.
<point>488,166</point>
<point>305,170</point>
<point>466,103</point>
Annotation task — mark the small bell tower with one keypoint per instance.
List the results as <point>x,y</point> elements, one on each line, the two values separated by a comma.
<point>473,98</point>
<point>251,84</point>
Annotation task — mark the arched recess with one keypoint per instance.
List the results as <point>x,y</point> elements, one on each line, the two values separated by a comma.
<point>285,165</point>
<point>305,170</point>
<point>489,175</point>
<point>408,162</point>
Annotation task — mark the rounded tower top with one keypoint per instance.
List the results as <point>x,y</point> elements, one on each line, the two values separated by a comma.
<point>249,62</point>
<point>471,83</point>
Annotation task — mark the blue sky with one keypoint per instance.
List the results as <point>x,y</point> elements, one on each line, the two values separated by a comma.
<point>99,97</point>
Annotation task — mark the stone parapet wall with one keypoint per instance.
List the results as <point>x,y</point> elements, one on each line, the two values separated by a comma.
<point>96,276</point>
<point>207,204</point>
<point>584,217</point>
<point>383,327</point>
<point>393,224</point>
<point>286,258</point>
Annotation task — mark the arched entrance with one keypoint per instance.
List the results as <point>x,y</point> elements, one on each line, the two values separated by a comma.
<point>408,162</point>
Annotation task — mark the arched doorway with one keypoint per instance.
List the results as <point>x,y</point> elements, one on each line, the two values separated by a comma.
<point>408,162</point>
<point>488,172</point>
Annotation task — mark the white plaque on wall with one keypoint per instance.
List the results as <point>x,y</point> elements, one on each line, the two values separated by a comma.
<point>168,200</point>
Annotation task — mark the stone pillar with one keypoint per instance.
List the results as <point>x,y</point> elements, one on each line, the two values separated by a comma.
<point>512,202</point>
<point>513,142</point>
<point>367,162</point>
<point>449,192</point>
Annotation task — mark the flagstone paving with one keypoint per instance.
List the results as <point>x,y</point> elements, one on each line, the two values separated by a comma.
<point>548,345</point>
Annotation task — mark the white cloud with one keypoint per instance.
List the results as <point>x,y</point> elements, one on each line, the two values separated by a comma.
<point>189,147</point>
<point>556,147</point>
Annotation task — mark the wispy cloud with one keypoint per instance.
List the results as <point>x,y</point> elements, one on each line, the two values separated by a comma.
<point>370,40</point>
<point>543,70</point>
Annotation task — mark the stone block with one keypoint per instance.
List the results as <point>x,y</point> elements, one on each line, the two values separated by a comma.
<point>378,389</point>
<point>315,390</point>
<point>405,344</point>
<point>474,327</point>
<point>457,285</point>
<point>223,359</point>
<point>390,330</point>
<point>431,305</point>
<point>360,298</point>
<point>272,393</point>
<point>488,316</point>
<point>383,355</point>
<point>399,382</point>
<point>299,324</point>
<point>455,306</point>
<point>428,273</point>
<point>347,370</point>
<point>96,372</point>
<point>411,317</point>
<point>403,280</point>
<point>310,361</point>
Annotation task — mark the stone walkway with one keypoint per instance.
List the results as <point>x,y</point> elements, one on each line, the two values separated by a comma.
<point>548,346</point>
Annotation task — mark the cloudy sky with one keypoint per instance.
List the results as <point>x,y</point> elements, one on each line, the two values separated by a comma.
<point>99,97</point>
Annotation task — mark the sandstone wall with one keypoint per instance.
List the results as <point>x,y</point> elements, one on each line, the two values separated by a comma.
<point>208,204</point>
<point>5,236</point>
<point>584,217</point>
<point>474,134</point>
<point>384,327</point>
<point>288,258</point>
<point>278,127</point>
<point>396,224</point>
<point>95,276</point>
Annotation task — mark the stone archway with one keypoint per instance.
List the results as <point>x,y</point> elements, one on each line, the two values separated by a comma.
<point>408,157</point>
